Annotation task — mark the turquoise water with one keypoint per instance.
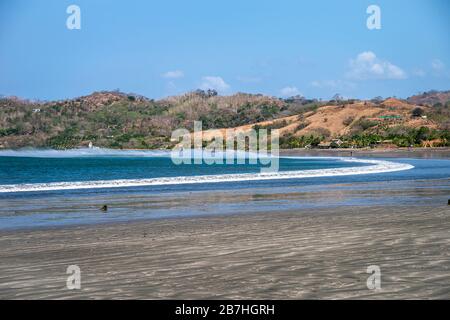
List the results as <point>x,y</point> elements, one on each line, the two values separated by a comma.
<point>60,188</point>
<point>17,170</point>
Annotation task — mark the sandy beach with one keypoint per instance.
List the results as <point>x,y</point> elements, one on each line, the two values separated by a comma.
<point>284,242</point>
<point>318,254</point>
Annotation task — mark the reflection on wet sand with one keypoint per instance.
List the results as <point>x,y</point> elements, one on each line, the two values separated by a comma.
<point>84,209</point>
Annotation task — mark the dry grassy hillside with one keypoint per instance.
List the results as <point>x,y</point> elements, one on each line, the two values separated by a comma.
<point>430,98</point>
<point>337,121</point>
<point>119,120</point>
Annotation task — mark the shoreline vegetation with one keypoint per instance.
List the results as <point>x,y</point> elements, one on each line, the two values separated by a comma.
<point>418,152</point>
<point>117,120</point>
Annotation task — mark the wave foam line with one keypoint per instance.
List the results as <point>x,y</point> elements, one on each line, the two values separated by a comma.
<point>378,166</point>
<point>105,152</point>
<point>82,152</point>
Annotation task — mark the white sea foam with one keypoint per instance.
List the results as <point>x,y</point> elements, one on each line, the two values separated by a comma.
<point>376,166</point>
<point>82,152</point>
<point>105,152</point>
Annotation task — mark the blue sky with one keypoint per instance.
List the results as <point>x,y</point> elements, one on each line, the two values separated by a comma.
<point>281,48</point>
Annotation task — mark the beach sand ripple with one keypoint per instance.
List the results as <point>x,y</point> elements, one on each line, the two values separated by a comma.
<point>315,254</point>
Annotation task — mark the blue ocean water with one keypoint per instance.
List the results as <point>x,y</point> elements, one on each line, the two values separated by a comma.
<point>61,207</point>
<point>17,170</point>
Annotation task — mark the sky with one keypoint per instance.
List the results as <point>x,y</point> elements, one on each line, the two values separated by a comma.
<point>279,48</point>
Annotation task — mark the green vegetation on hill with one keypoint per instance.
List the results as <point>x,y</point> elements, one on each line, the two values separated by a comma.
<point>118,120</point>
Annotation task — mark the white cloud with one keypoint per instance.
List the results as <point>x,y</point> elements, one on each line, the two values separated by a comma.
<point>213,82</point>
<point>289,92</point>
<point>437,65</point>
<point>368,66</point>
<point>176,74</point>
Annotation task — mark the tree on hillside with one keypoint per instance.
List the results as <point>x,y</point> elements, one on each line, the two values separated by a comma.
<point>417,112</point>
<point>377,99</point>
<point>337,97</point>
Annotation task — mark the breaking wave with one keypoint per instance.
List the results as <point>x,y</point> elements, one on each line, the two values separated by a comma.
<point>375,166</point>
<point>105,152</point>
<point>82,152</point>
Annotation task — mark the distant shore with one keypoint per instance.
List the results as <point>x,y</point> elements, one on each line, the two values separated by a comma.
<point>443,152</point>
<point>440,152</point>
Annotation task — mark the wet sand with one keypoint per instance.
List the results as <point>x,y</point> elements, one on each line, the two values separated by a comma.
<point>313,254</point>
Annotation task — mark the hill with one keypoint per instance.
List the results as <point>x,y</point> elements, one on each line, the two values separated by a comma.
<point>430,98</point>
<point>119,120</point>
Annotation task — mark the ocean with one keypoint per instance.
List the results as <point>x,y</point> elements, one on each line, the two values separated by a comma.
<point>47,188</point>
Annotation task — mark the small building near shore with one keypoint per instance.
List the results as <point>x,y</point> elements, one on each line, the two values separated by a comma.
<point>334,143</point>
<point>324,145</point>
